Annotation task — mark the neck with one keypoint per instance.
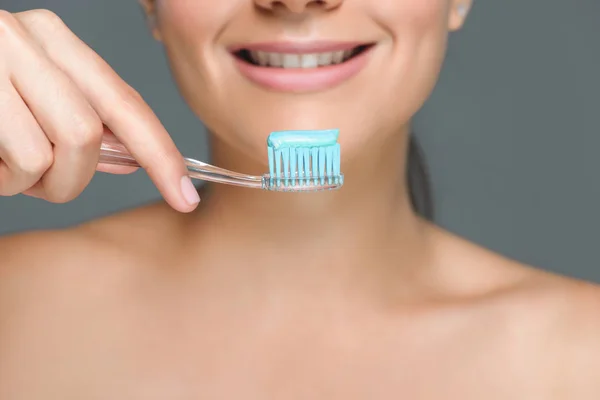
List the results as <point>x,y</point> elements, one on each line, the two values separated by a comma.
<point>367,229</point>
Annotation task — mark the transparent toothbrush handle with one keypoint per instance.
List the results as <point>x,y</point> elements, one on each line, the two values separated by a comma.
<point>115,153</point>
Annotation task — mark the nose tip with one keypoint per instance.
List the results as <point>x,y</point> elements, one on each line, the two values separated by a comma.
<point>297,6</point>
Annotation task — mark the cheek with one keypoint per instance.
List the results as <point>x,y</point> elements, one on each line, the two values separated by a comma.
<point>184,27</point>
<point>191,15</point>
<point>419,32</point>
<point>189,30</point>
<point>191,33</point>
<point>423,13</point>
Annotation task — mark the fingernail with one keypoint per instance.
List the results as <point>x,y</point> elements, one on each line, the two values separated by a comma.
<point>189,191</point>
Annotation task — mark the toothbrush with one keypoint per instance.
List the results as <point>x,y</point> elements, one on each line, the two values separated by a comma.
<point>299,161</point>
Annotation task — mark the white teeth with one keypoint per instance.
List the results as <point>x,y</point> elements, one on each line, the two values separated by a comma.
<point>311,60</point>
<point>338,56</point>
<point>275,60</point>
<point>325,59</point>
<point>263,58</point>
<point>291,61</point>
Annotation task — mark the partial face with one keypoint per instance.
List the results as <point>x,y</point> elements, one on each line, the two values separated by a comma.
<point>250,67</point>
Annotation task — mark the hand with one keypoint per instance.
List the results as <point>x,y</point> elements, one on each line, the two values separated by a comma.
<point>57,100</point>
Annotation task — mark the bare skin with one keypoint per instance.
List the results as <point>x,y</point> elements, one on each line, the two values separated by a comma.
<point>100,311</point>
<point>257,295</point>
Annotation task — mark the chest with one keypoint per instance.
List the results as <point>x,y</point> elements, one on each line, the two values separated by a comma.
<point>235,360</point>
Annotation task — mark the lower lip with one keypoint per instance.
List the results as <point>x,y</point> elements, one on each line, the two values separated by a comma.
<point>302,80</point>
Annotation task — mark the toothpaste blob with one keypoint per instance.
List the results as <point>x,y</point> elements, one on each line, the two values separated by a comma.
<point>297,139</point>
<point>304,157</point>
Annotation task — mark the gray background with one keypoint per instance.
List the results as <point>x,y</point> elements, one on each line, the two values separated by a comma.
<point>510,133</point>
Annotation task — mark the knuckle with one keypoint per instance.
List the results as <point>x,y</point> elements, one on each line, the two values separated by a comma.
<point>86,131</point>
<point>7,26</point>
<point>129,97</point>
<point>60,197</point>
<point>34,163</point>
<point>123,101</point>
<point>43,17</point>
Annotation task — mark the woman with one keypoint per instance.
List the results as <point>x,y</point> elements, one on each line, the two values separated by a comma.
<point>344,294</point>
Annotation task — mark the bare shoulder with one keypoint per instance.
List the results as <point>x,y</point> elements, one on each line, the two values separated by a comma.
<point>555,317</point>
<point>487,275</point>
<point>129,232</point>
<point>76,263</point>
<point>546,321</point>
<point>553,324</point>
<point>68,294</point>
<point>573,331</point>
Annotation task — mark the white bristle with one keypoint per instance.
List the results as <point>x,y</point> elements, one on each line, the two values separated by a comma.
<point>292,166</point>
<point>329,160</point>
<point>306,157</point>
<point>322,165</point>
<point>314,154</point>
<point>286,164</point>
<point>336,165</point>
<point>271,155</point>
<point>278,167</point>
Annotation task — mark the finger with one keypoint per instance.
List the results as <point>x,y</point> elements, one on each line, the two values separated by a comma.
<point>120,107</point>
<point>63,113</point>
<point>115,169</point>
<point>36,191</point>
<point>108,138</point>
<point>25,152</point>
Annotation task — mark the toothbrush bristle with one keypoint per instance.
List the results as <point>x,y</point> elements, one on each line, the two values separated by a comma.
<point>304,158</point>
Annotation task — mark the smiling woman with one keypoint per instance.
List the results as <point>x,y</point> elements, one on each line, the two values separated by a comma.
<point>301,67</point>
<point>347,294</point>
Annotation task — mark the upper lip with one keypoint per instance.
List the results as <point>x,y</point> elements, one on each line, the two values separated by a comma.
<point>299,47</point>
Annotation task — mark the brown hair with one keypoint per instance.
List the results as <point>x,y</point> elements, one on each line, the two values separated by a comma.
<point>417,175</point>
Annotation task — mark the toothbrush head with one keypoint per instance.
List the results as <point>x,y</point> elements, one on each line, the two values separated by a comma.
<point>303,161</point>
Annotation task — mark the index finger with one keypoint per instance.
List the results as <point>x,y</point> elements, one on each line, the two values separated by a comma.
<point>118,105</point>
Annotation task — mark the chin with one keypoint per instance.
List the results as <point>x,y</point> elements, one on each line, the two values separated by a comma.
<point>244,140</point>
<point>369,110</point>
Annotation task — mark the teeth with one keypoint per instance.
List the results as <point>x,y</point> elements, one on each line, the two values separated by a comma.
<point>309,61</point>
<point>260,57</point>
<point>263,58</point>
<point>338,56</point>
<point>312,60</point>
<point>291,61</point>
<point>275,60</point>
<point>325,58</point>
